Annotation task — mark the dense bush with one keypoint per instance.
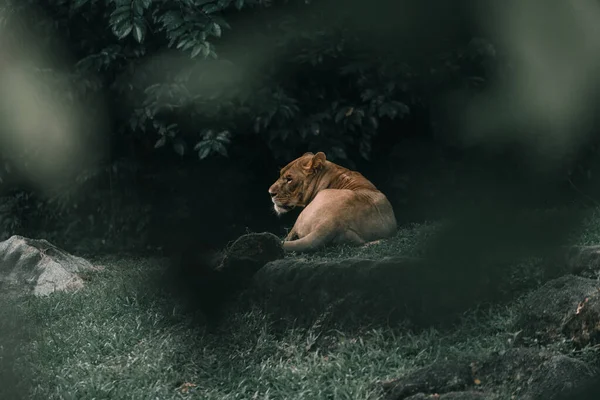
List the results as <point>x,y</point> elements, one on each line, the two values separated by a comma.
<point>292,73</point>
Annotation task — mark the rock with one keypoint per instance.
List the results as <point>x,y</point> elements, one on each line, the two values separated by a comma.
<point>582,325</point>
<point>423,396</point>
<point>248,254</point>
<point>39,267</point>
<point>351,289</point>
<point>560,377</point>
<point>423,291</point>
<point>513,366</point>
<point>470,395</point>
<point>531,374</point>
<point>369,290</point>
<point>437,378</point>
<point>210,281</point>
<point>542,312</point>
<point>587,391</point>
<point>527,373</point>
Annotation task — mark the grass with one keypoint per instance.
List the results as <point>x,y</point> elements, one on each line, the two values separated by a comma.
<point>126,337</point>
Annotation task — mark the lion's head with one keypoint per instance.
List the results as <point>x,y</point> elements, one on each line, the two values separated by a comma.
<point>295,185</point>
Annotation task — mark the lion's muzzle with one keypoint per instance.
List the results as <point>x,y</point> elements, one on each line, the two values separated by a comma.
<point>281,208</point>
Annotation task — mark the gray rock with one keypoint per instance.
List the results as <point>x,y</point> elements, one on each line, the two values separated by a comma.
<point>249,253</point>
<point>39,267</point>
<point>365,290</point>
<point>542,312</point>
<point>469,395</point>
<point>582,325</point>
<point>559,378</point>
<point>529,374</point>
<point>437,378</point>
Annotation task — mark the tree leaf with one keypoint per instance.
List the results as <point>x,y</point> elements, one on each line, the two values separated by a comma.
<point>160,142</point>
<point>208,134</point>
<point>223,137</point>
<point>139,31</point>
<point>137,7</point>
<point>119,15</point>
<point>220,148</point>
<point>216,29</point>
<point>204,150</point>
<point>197,49</point>
<point>206,49</point>
<point>183,42</point>
<point>126,30</point>
<point>210,8</point>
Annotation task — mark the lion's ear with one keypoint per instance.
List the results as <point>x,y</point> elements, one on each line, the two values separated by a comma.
<point>316,162</point>
<point>307,154</point>
<point>319,160</point>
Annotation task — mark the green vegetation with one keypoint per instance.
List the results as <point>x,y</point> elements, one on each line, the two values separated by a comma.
<point>125,337</point>
<point>208,90</point>
<point>120,339</point>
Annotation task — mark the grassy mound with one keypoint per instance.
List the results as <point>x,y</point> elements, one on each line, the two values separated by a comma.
<point>412,275</point>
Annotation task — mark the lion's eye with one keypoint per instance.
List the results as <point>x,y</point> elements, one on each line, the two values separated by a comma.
<point>288,179</point>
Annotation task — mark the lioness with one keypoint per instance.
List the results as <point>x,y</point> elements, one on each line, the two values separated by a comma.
<point>342,206</point>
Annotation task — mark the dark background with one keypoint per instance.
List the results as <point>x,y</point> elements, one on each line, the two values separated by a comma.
<point>389,88</point>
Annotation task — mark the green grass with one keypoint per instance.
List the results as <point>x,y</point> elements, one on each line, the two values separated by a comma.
<point>125,337</point>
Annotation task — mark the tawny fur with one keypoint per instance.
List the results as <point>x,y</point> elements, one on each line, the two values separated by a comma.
<point>340,205</point>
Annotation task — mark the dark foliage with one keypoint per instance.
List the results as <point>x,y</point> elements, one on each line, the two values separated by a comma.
<point>185,89</point>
